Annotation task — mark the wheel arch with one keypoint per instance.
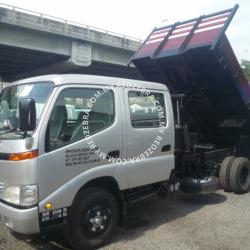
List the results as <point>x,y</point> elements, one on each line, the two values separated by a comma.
<point>110,184</point>
<point>106,176</point>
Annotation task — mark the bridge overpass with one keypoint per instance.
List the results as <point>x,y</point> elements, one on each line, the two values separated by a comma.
<point>32,43</point>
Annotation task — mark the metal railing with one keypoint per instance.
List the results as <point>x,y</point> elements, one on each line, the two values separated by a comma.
<point>66,27</point>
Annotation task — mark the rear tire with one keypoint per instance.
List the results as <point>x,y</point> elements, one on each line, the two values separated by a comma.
<point>240,175</point>
<point>224,174</point>
<point>93,219</point>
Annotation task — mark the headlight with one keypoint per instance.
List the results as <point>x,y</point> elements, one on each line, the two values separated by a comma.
<point>12,195</point>
<point>21,195</point>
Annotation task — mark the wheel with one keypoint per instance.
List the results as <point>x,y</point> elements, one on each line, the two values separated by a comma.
<point>93,219</point>
<point>224,174</point>
<point>240,175</point>
<point>199,186</point>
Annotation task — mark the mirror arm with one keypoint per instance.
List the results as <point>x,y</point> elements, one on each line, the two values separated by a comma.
<point>25,133</point>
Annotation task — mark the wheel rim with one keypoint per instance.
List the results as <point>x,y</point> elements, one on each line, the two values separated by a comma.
<point>96,220</point>
<point>244,175</point>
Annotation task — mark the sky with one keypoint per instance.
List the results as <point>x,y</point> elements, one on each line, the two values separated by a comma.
<point>137,18</point>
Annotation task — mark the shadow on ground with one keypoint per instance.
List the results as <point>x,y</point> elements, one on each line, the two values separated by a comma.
<point>142,216</point>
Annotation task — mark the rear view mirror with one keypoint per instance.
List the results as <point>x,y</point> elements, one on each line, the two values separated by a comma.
<point>27,114</point>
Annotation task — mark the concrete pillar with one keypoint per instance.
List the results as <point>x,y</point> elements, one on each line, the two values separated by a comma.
<point>81,54</point>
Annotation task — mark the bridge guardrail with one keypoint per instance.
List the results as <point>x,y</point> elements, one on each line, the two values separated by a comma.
<point>39,21</point>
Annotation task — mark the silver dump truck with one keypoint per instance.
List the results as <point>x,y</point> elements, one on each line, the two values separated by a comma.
<point>75,150</point>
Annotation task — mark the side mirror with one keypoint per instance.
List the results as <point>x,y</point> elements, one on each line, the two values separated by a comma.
<point>27,114</point>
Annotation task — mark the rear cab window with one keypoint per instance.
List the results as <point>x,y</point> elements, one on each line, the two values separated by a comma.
<point>147,111</point>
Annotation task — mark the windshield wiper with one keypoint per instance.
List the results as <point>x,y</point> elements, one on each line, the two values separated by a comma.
<point>12,131</point>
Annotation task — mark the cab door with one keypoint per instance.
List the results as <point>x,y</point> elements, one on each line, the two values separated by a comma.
<point>77,139</point>
<point>149,136</point>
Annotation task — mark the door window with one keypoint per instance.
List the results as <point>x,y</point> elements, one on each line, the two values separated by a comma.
<point>147,111</point>
<point>77,113</point>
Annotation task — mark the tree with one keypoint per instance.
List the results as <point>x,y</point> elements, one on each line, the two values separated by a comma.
<point>245,65</point>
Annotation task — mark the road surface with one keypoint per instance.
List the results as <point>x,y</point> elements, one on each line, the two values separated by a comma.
<point>218,221</point>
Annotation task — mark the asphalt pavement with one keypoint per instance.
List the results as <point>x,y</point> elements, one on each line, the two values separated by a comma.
<point>218,221</point>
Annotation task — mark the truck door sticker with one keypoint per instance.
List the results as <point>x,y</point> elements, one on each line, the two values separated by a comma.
<point>80,156</point>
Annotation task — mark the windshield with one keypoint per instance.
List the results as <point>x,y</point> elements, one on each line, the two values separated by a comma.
<point>9,105</point>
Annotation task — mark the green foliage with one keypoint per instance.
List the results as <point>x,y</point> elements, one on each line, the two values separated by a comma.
<point>246,68</point>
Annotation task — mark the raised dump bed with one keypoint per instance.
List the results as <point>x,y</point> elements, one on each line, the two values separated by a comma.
<point>195,58</point>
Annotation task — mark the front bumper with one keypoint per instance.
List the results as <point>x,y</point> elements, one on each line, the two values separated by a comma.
<point>23,221</point>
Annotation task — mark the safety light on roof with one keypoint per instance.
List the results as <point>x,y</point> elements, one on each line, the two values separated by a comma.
<point>23,156</point>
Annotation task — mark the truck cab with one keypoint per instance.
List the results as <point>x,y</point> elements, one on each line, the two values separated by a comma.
<point>63,135</point>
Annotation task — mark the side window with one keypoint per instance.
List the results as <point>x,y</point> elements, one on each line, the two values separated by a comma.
<point>147,111</point>
<point>79,112</point>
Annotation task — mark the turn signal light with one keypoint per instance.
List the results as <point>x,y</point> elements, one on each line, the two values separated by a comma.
<point>48,206</point>
<point>23,156</point>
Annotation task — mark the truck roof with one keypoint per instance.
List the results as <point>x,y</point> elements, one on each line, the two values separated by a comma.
<point>90,79</point>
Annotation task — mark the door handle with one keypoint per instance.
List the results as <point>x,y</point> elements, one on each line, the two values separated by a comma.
<point>113,154</point>
<point>166,148</point>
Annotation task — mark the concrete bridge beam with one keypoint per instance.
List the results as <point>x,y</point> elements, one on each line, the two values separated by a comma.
<point>34,42</point>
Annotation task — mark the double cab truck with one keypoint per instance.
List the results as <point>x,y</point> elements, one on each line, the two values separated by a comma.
<point>75,150</point>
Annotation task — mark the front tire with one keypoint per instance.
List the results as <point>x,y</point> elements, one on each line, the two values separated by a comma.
<point>93,219</point>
